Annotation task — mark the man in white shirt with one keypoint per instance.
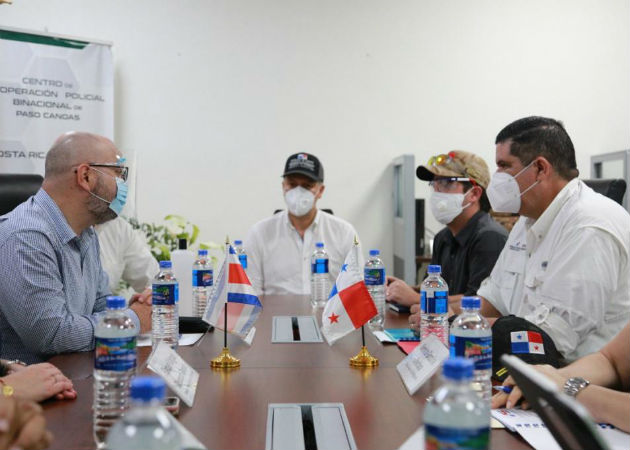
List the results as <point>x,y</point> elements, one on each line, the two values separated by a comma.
<point>125,255</point>
<point>280,247</point>
<point>565,265</point>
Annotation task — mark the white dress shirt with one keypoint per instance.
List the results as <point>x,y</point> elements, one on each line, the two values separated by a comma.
<point>125,255</point>
<point>568,271</point>
<point>279,260</point>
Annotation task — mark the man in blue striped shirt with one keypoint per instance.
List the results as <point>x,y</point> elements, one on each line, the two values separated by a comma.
<point>52,286</point>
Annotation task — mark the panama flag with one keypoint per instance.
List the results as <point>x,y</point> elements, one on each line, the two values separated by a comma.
<point>349,305</point>
<point>527,342</point>
<point>232,288</point>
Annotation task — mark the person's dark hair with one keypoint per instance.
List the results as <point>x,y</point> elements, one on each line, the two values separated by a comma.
<point>540,136</point>
<point>484,203</point>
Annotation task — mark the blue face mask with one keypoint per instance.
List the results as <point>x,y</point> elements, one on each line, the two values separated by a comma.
<point>119,201</point>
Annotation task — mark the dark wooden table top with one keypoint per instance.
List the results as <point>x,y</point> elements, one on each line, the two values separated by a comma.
<point>230,410</point>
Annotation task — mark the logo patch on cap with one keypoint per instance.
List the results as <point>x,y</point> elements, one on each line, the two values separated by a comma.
<point>302,156</point>
<point>527,342</point>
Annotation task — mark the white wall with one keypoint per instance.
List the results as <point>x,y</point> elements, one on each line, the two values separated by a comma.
<point>213,95</point>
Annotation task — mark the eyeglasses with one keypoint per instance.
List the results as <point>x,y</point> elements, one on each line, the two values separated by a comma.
<point>447,183</point>
<point>124,170</point>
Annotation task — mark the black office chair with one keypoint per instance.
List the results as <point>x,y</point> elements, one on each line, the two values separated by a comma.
<point>15,188</point>
<point>614,189</point>
<point>328,210</point>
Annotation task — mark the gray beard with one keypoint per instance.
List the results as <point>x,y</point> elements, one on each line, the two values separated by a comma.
<point>99,208</point>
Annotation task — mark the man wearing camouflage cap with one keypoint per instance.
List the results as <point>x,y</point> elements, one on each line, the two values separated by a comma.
<point>471,242</point>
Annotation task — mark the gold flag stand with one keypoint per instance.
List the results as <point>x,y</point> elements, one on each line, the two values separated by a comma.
<point>225,360</point>
<point>363,359</point>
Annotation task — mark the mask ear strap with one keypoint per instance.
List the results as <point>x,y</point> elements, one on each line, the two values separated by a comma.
<point>525,191</point>
<point>525,168</point>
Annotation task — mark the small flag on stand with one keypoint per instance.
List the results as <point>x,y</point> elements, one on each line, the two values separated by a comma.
<point>243,306</point>
<point>349,305</point>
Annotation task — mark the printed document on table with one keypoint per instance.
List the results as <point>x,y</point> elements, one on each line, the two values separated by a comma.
<point>529,425</point>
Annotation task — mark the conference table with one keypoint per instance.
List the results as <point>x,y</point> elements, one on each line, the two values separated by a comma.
<point>230,409</point>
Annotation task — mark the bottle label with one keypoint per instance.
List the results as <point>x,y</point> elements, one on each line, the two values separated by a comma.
<point>117,354</point>
<point>374,277</point>
<point>165,294</point>
<point>437,304</point>
<point>479,349</point>
<point>437,437</point>
<point>320,266</point>
<point>202,278</point>
<point>243,259</point>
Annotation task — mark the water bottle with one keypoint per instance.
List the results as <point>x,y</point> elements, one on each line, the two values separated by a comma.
<point>165,317</point>
<point>147,425</point>
<point>240,252</point>
<point>456,417</point>
<point>320,283</point>
<point>114,365</point>
<point>374,275</point>
<point>434,305</point>
<point>471,337</point>
<point>202,277</point>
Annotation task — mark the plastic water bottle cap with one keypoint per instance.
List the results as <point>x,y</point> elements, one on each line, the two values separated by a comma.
<point>238,242</point>
<point>435,268</point>
<point>319,245</point>
<point>165,264</point>
<point>202,252</point>
<point>374,252</point>
<point>147,388</point>
<point>458,368</point>
<point>115,302</point>
<point>471,302</point>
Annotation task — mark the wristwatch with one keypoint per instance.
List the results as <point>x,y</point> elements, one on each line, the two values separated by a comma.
<point>16,361</point>
<point>574,385</point>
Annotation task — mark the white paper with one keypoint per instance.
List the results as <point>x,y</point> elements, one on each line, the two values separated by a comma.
<point>529,425</point>
<point>177,374</point>
<point>415,441</point>
<point>383,337</point>
<point>144,340</point>
<point>514,417</point>
<point>422,363</point>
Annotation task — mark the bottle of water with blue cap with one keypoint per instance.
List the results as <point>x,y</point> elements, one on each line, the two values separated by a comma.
<point>147,425</point>
<point>320,282</point>
<point>114,365</point>
<point>471,337</point>
<point>241,253</point>
<point>374,276</point>
<point>203,279</point>
<point>456,417</point>
<point>165,313</point>
<point>434,305</point>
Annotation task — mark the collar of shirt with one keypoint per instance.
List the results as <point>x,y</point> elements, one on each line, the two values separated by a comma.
<point>537,230</point>
<point>468,231</point>
<point>60,224</point>
<point>288,223</point>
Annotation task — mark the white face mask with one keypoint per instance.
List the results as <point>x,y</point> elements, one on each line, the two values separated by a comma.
<point>300,201</point>
<point>446,206</point>
<point>504,193</point>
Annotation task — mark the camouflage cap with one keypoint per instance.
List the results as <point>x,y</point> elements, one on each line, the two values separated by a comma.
<point>456,163</point>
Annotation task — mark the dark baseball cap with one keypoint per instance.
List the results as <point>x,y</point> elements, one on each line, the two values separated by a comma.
<point>519,337</point>
<point>304,164</point>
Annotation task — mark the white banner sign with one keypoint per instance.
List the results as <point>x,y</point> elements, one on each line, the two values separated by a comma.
<point>48,86</point>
